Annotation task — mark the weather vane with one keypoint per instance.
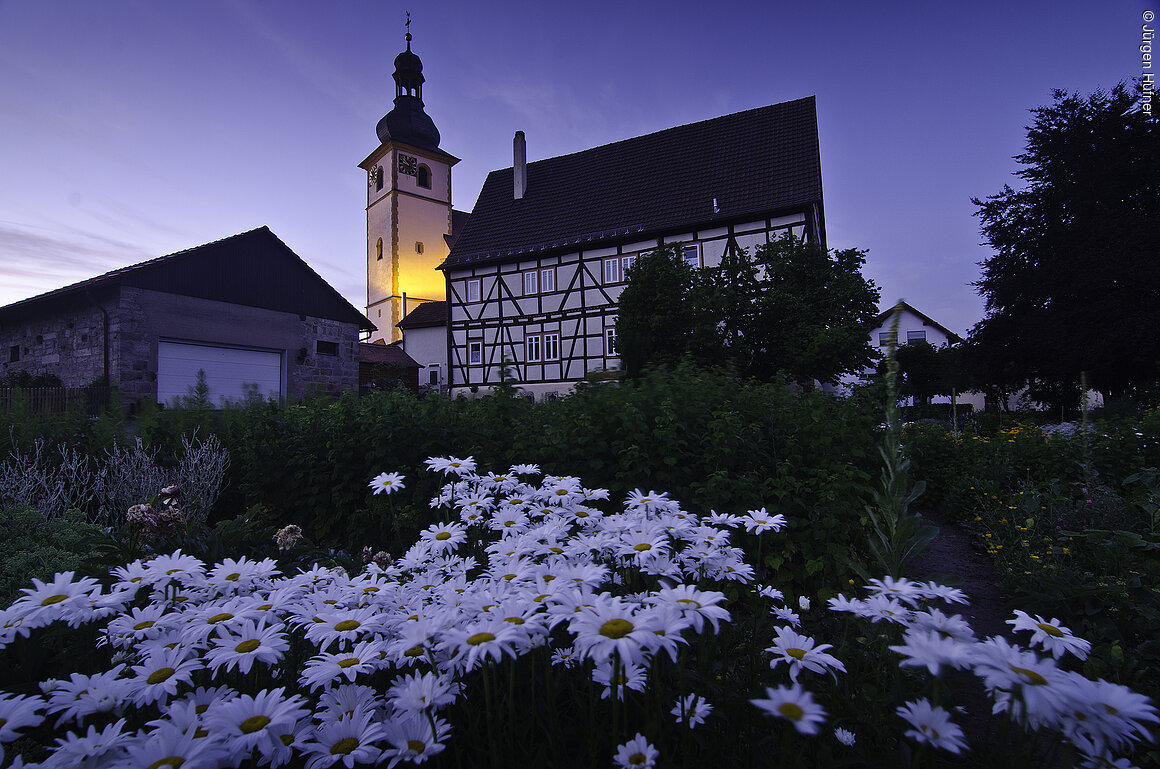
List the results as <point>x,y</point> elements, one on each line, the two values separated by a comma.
<point>408,26</point>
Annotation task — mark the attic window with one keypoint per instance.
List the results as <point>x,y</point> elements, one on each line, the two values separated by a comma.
<point>915,336</point>
<point>326,348</point>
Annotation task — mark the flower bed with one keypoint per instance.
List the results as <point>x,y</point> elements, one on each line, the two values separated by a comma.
<point>537,623</point>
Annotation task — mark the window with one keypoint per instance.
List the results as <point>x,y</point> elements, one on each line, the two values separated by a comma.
<point>548,280</point>
<point>885,338</point>
<point>433,376</point>
<point>326,348</point>
<point>551,347</point>
<point>475,353</point>
<point>915,336</point>
<point>692,256</point>
<point>473,290</point>
<point>379,248</point>
<point>610,341</point>
<point>529,283</point>
<point>424,177</point>
<point>14,354</point>
<point>612,270</point>
<point>626,263</point>
<point>418,246</point>
<point>532,349</point>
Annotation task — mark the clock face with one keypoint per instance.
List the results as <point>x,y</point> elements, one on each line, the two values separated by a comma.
<point>408,165</point>
<point>375,174</point>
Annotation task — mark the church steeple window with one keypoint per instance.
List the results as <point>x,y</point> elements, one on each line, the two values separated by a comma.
<point>424,177</point>
<point>379,249</point>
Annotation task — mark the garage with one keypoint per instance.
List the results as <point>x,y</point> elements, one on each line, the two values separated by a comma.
<point>230,372</point>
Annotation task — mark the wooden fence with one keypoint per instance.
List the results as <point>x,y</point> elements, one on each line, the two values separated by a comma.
<point>53,401</point>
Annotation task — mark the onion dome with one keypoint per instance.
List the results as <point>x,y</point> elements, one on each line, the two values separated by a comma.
<point>407,122</point>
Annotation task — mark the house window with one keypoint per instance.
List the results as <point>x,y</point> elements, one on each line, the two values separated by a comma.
<point>532,349</point>
<point>424,177</point>
<point>551,347</point>
<point>915,336</point>
<point>473,290</point>
<point>433,376</point>
<point>610,341</point>
<point>14,354</point>
<point>529,283</point>
<point>474,353</point>
<point>326,348</point>
<point>612,270</point>
<point>692,256</point>
<point>626,263</point>
<point>379,249</point>
<point>548,280</point>
<point>885,338</point>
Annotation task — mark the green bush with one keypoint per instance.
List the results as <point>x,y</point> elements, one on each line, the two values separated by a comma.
<point>35,548</point>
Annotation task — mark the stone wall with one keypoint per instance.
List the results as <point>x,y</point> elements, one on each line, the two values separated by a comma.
<point>320,372</point>
<point>66,340</point>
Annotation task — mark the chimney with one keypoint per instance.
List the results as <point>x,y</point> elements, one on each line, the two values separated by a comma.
<point>520,165</point>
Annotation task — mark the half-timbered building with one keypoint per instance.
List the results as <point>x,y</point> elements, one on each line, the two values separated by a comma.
<point>533,279</point>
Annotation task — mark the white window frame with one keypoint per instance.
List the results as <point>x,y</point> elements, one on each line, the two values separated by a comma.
<point>885,338</point>
<point>916,336</point>
<point>551,347</point>
<point>547,280</point>
<point>612,273</point>
<point>474,290</point>
<point>474,353</point>
<point>532,349</point>
<point>691,255</point>
<point>610,340</point>
<point>530,283</point>
<point>625,263</point>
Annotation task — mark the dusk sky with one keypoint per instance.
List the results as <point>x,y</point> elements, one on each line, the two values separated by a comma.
<point>130,129</point>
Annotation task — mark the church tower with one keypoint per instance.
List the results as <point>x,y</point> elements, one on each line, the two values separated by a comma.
<point>408,205</point>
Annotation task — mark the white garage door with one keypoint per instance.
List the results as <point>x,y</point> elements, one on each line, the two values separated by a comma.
<point>230,372</point>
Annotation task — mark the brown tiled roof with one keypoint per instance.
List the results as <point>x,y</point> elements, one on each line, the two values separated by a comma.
<point>254,269</point>
<point>755,163</point>
<point>368,352</point>
<point>425,315</point>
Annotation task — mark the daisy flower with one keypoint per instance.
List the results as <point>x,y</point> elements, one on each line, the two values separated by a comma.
<point>932,725</point>
<point>698,606</point>
<point>759,521</point>
<point>62,598</point>
<point>418,692</point>
<point>614,676</point>
<point>1052,636</point>
<point>342,626</point>
<point>444,536</point>
<point>247,722</point>
<point>101,747</point>
<point>795,705</point>
<point>415,738</point>
<point>324,669</point>
<point>489,638</point>
<point>16,713</point>
<point>612,626</point>
<point>691,710</point>
<point>160,674</point>
<point>451,465</point>
<point>251,642</point>
<point>844,736</point>
<point>386,483</point>
<point>931,649</point>
<point>168,746</point>
<point>637,753</point>
<point>799,651</point>
<point>348,741</point>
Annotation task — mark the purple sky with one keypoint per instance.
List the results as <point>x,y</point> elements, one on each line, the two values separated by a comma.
<point>130,129</point>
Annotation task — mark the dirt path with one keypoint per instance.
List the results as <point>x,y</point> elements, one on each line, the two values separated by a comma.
<point>955,556</point>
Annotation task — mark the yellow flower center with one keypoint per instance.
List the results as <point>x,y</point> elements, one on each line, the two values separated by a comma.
<point>53,599</point>
<point>414,651</point>
<point>416,746</point>
<point>233,577</point>
<point>791,711</point>
<point>142,625</point>
<point>443,535</point>
<point>480,638</point>
<point>1051,630</point>
<point>253,724</point>
<point>245,647</point>
<point>219,618</point>
<point>1031,676</point>
<point>797,654</point>
<point>514,620</point>
<point>616,628</point>
<point>348,662</point>
<point>344,746</point>
<point>172,761</point>
<point>692,604</point>
<point>642,547</point>
<point>638,759</point>
<point>157,676</point>
<point>346,624</point>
